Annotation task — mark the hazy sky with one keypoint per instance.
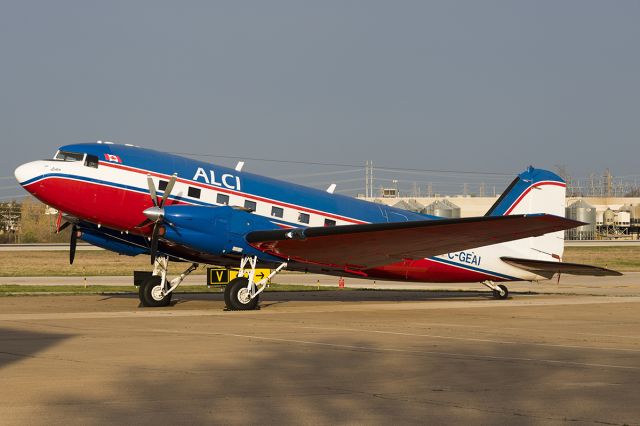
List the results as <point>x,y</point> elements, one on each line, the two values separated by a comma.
<point>462,85</point>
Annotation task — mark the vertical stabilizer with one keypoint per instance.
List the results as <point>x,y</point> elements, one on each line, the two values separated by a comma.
<point>535,191</point>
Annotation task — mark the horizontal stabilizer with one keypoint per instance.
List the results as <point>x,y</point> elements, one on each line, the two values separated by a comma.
<point>548,269</point>
<point>370,245</point>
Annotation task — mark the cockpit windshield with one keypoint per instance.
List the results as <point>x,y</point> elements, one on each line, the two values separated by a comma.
<point>68,156</point>
<point>89,160</point>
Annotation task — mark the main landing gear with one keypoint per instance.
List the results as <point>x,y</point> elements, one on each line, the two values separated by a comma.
<point>156,290</point>
<point>242,293</point>
<point>500,291</point>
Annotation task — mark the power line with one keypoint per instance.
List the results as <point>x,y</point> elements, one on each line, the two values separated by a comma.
<point>320,174</point>
<point>337,182</point>
<point>314,163</point>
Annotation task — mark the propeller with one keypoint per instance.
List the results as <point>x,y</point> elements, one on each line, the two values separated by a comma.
<point>156,212</point>
<point>59,225</point>
<point>73,238</point>
<point>72,243</point>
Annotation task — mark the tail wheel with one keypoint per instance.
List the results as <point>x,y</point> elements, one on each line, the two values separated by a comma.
<point>150,293</point>
<point>502,292</point>
<point>237,297</point>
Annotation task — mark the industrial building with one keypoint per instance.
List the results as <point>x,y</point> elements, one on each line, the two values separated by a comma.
<point>606,217</point>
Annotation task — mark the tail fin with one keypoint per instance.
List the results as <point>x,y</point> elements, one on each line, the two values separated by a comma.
<point>535,191</point>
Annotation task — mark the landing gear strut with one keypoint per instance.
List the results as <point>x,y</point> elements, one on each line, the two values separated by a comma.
<point>500,291</point>
<point>156,290</point>
<point>242,293</point>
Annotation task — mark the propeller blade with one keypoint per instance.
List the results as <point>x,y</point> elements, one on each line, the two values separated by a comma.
<point>155,213</point>
<point>72,244</point>
<point>152,190</point>
<point>167,190</point>
<point>154,242</point>
<point>58,221</point>
<point>63,227</point>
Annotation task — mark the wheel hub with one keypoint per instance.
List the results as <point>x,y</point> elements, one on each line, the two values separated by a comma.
<point>244,296</point>
<point>156,293</point>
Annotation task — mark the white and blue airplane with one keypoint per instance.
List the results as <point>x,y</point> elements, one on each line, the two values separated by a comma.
<point>134,201</point>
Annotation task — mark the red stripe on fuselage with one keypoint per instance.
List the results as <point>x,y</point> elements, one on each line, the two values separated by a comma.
<point>515,203</point>
<point>110,206</point>
<point>428,270</point>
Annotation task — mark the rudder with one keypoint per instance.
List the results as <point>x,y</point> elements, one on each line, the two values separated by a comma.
<point>535,191</point>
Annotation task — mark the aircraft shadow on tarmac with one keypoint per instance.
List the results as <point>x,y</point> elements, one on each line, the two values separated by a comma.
<point>271,298</point>
<point>16,345</point>
<point>357,381</point>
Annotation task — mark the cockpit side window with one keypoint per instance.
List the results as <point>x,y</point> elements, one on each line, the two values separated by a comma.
<point>91,161</point>
<point>68,156</point>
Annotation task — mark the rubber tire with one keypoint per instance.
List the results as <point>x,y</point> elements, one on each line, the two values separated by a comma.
<point>231,296</point>
<point>145,293</point>
<point>497,295</point>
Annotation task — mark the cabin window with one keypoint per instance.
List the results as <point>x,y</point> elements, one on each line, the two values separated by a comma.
<point>303,218</point>
<point>68,156</point>
<point>91,161</point>
<point>194,192</point>
<point>329,222</point>
<point>250,205</point>
<point>277,211</point>
<point>162,185</point>
<point>222,199</point>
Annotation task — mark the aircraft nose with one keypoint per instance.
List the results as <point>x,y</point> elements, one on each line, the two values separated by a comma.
<point>28,171</point>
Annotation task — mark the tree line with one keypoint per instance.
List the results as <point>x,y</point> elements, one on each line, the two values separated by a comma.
<point>29,221</point>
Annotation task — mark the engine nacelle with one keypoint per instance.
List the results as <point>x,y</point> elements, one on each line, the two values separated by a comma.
<point>218,230</point>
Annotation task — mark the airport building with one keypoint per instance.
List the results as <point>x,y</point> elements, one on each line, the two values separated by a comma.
<point>606,217</point>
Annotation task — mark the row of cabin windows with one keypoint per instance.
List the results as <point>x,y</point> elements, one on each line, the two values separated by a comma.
<point>249,205</point>
<point>302,217</point>
<point>191,192</point>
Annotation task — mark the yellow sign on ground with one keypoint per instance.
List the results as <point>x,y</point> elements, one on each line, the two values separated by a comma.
<point>217,276</point>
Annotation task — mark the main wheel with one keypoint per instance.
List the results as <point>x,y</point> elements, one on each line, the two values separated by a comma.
<point>237,297</point>
<point>502,293</point>
<point>150,293</point>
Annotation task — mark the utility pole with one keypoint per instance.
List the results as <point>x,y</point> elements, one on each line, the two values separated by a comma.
<point>366,179</point>
<point>371,176</point>
<point>608,182</point>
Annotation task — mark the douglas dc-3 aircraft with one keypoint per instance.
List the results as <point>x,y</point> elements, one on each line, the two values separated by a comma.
<point>138,201</point>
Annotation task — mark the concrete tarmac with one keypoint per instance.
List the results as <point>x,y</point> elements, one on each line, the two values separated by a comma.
<point>626,285</point>
<point>332,357</point>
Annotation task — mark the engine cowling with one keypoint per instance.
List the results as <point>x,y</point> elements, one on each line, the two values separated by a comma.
<point>218,230</point>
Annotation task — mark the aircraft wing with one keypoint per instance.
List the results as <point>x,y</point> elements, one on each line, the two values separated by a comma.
<point>549,269</point>
<point>377,244</point>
